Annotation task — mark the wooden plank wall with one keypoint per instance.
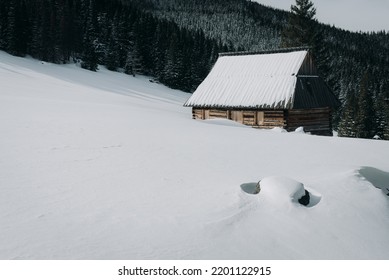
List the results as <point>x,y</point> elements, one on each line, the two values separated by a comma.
<point>255,118</point>
<point>203,114</point>
<point>198,113</point>
<point>259,119</point>
<point>316,121</point>
<point>249,117</point>
<point>217,114</point>
<point>273,119</point>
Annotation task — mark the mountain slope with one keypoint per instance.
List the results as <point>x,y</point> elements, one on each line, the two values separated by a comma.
<point>177,42</point>
<point>107,166</point>
<point>348,61</point>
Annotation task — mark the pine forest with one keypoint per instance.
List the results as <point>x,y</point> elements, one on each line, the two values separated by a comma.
<point>176,42</point>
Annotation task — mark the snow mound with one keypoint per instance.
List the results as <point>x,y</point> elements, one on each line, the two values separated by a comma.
<point>224,122</point>
<point>283,190</point>
<point>300,130</point>
<point>278,129</point>
<point>377,177</point>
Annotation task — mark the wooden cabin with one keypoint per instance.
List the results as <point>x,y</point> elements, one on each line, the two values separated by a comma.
<point>266,90</point>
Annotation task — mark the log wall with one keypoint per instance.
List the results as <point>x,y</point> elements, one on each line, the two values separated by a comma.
<point>255,118</point>
<point>273,119</point>
<point>315,121</point>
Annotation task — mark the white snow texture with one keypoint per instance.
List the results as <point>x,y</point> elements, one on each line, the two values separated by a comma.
<point>107,166</point>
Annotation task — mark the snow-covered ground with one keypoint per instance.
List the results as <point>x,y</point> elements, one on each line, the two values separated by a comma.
<point>107,166</point>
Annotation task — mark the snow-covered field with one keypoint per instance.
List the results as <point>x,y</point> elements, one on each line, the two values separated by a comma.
<point>107,166</point>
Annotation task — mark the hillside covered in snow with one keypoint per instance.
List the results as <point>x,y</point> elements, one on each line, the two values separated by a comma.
<point>107,166</point>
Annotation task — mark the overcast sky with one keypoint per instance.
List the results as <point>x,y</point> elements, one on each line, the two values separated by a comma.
<point>354,15</point>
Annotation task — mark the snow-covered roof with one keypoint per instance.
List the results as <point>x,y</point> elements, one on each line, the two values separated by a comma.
<point>251,81</point>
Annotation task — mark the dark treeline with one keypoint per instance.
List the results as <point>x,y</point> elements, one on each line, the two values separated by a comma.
<point>354,64</point>
<point>106,32</point>
<point>359,73</point>
<point>177,42</point>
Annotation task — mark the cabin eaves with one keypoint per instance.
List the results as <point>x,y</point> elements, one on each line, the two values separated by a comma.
<point>278,80</point>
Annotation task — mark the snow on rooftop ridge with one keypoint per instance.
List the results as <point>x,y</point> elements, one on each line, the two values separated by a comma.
<point>253,81</point>
<point>281,50</point>
<point>258,65</point>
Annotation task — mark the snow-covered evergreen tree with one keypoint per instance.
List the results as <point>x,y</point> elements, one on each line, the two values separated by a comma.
<point>365,125</point>
<point>90,57</point>
<point>382,113</point>
<point>300,30</point>
<point>347,125</point>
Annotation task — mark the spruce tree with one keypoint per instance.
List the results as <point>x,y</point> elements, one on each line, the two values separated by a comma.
<point>4,6</point>
<point>382,113</point>
<point>173,67</point>
<point>16,32</point>
<point>112,54</point>
<point>67,30</point>
<point>133,64</point>
<point>300,30</point>
<point>161,43</point>
<point>90,57</point>
<point>365,124</point>
<point>347,125</point>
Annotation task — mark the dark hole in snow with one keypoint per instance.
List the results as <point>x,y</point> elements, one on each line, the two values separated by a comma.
<point>305,199</point>
<point>251,188</point>
<point>376,177</point>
